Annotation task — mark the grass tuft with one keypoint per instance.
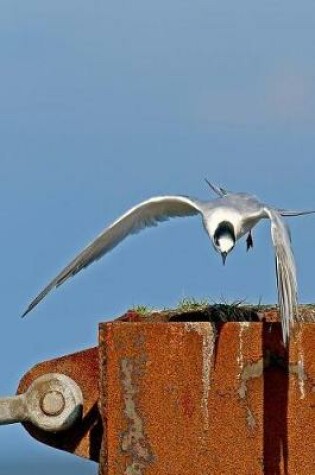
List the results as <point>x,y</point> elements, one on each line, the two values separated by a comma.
<point>142,309</point>
<point>190,304</point>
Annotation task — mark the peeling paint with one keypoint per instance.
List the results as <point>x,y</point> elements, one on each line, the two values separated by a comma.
<point>298,370</point>
<point>134,469</point>
<point>207,331</point>
<point>240,357</point>
<point>250,371</point>
<point>133,440</point>
<point>250,419</point>
<point>300,365</point>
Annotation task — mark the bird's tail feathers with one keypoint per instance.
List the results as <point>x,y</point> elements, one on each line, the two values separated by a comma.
<point>217,189</point>
<point>288,212</point>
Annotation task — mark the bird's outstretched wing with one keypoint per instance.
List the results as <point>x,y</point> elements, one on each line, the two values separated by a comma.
<point>286,271</point>
<point>217,189</point>
<point>146,214</point>
<point>288,212</point>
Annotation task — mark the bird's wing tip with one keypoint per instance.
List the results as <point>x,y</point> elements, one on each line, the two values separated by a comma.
<point>25,313</point>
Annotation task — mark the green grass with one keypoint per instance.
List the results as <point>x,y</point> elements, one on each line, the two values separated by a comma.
<point>142,309</point>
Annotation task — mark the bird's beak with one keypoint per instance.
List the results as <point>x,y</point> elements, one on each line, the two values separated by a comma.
<point>223,255</point>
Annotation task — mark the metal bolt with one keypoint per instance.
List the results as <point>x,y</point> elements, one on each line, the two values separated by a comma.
<point>52,403</point>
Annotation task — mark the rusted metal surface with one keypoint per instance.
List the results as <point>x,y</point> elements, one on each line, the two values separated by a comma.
<point>204,398</point>
<point>204,391</point>
<point>84,437</point>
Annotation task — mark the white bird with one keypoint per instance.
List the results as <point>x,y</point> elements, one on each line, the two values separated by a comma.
<point>226,219</point>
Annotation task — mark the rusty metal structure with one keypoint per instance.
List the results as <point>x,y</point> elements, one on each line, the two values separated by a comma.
<point>203,391</point>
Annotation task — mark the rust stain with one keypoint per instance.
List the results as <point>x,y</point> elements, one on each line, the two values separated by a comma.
<point>133,440</point>
<point>187,402</point>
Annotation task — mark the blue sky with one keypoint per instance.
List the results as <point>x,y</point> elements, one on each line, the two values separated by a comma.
<point>104,104</point>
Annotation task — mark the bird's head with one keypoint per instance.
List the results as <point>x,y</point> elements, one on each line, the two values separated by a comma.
<point>224,239</point>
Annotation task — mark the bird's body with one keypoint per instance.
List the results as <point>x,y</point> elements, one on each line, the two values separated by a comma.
<point>226,219</point>
<point>243,211</point>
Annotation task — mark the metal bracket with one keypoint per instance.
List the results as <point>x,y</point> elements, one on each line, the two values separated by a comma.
<point>81,435</point>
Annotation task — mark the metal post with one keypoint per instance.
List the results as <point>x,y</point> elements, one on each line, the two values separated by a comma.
<point>183,398</point>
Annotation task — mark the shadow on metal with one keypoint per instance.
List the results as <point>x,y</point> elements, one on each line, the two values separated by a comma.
<point>276,394</point>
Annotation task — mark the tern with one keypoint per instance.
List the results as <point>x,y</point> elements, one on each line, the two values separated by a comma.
<point>226,219</point>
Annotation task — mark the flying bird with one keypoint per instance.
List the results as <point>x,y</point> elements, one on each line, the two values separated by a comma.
<point>226,219</point>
